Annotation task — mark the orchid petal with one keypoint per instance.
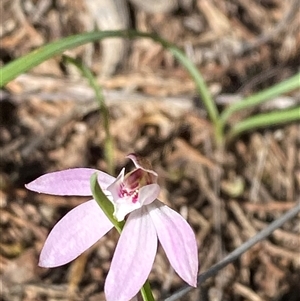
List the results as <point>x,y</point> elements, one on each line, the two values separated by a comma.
<point>115,187</point>
<point>133,257</point>
<point>124,206</point>
<point>74,181</point>
<point>148,193</point>
<point>177,239</point>
<point>78,230</point>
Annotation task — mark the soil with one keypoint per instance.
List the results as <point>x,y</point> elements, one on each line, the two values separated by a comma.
<point>51,121</point>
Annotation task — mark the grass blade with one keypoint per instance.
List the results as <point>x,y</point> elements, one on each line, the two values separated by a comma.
<point>283,87</point>
<point>34,58</point>
<point>264,120</point>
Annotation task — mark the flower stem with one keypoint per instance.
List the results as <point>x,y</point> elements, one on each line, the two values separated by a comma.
<point>147,292</point>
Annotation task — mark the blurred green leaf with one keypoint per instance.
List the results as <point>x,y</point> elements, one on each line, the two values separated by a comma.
<point>34,58</point>
<point>264,120</point>
<point>286,86</point>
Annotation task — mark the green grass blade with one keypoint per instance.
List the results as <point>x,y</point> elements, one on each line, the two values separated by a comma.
<point>34,58</point>
<point>283,87</point>
<point>206,97</point>
<point>264,120</point>
<point>37,56</point>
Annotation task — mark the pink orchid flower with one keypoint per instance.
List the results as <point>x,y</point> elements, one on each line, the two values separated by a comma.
<point>134,195</point>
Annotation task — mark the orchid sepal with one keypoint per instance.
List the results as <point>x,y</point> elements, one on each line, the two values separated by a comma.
<point>177,239</point>
<point>62,246</point>
<point>73,181</point>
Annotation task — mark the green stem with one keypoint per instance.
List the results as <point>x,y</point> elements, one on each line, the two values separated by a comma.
<point>108,208</point>
<point>147,292</point>
<point>108,144</point>
<point>263,120</point>
<point>219,134</point>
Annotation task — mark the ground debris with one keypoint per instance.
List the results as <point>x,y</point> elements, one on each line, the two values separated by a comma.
<point>52,122</point>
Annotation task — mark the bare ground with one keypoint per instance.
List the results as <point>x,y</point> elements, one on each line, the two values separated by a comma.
<point>50,121</point>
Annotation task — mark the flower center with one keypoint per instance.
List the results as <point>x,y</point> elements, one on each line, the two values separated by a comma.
<point>125,192</point>
<point>130,192</point>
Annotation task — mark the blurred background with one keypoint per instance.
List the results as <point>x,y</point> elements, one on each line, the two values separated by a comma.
<point>50,121</point>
